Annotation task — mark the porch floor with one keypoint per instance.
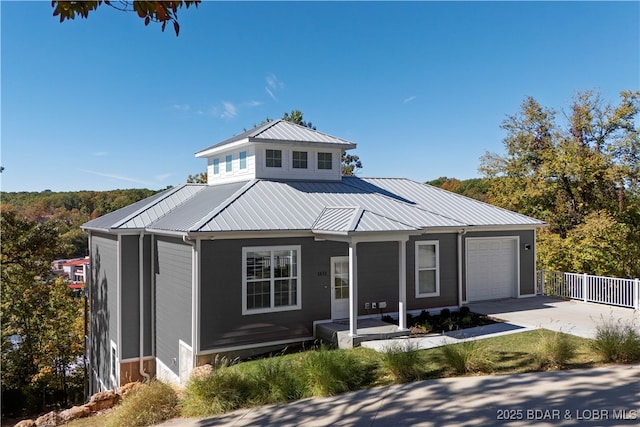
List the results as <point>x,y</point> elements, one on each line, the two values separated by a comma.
<point>337,332</point>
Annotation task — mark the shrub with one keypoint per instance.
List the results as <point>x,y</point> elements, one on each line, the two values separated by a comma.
<point>464,311</point>
<point>224,389</point>
<point>554,350</point>
<point>403,362</point>
<point>146,405</point>
<point>329,372</point>
<point>445,313</point>
<point>617,341</point>
<point>466,357</point>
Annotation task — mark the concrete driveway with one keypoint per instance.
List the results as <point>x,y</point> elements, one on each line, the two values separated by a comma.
<point>572,317</point>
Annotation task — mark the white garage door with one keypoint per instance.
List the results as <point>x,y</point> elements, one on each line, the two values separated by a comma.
<point>492,269</point>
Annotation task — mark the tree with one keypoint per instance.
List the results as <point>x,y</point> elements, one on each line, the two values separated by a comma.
<point>198,178</point>
<point>577,176</point>
<point>151,11</point>
<point>40,333</point>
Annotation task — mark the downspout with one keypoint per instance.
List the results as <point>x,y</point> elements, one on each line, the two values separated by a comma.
<point>146,376</point>
<point>460,234</point>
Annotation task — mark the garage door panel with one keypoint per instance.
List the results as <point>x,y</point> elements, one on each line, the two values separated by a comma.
<point>491,268</point>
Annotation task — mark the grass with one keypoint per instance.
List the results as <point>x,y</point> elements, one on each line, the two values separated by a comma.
<point>555,350</point>
<point>403,362</point>
<point>617,342</point>
<point>145,406</point>
<point>322,371</point>
<point>467,357</point>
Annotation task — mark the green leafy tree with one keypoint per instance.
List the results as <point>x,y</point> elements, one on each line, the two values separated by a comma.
<point>161,12</point>
<point>198,178</point>
<point>572,174</point>
<point>40,333</point>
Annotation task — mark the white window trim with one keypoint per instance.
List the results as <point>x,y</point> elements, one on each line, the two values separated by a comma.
<point>274,309</point>
<point>419,243</point>
<point>114,364</point>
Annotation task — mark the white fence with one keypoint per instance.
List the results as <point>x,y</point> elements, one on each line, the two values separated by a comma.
<point>588,288</point>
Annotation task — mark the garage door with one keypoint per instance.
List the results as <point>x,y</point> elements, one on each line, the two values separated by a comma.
<point>492,266</point>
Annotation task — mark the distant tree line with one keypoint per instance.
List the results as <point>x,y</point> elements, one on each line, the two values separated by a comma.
<point>68,210</point>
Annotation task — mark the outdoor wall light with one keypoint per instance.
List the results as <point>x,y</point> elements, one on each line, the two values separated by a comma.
<point>527,246</point>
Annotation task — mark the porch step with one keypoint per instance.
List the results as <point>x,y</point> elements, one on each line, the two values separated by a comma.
<point>337,332</point>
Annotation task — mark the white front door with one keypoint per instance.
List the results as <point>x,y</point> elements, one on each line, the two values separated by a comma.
<point>340,287</point>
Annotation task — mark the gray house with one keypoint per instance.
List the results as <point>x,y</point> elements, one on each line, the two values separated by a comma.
<point>277,242</point>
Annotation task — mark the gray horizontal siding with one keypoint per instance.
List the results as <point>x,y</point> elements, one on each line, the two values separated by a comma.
<point>222,323</point>
<point>130,297</point>
<point>173,298</point>
<point>103,303</point>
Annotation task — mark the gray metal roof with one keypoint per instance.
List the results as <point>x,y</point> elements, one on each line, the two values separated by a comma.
<point>145,212</point>
<point>351,205</point>
<point>283,131</point>
<point>452,205</point>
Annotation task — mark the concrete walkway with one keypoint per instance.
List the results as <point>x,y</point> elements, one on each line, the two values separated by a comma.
<point>572,317</point>
<point>606,396</point>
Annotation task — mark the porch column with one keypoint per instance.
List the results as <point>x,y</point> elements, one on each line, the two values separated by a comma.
<point>402,285</point>
<point>353,290</point>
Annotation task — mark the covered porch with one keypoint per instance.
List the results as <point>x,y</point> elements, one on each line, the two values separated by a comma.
<point>355,225</point>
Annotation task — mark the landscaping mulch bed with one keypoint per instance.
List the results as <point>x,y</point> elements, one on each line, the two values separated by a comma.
<point>446,321</point>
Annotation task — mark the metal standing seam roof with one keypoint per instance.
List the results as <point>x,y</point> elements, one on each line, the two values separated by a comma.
<point>281,131</point>
<point>351,205</point>
<point>453,205</point>
<point>145,212</point>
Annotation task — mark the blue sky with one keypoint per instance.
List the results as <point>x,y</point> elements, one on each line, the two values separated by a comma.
<point>421,87</point>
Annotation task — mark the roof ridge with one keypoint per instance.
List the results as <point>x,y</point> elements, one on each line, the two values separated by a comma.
<point>388,218</point>
<point>222,206</point>
<point>148,206</point>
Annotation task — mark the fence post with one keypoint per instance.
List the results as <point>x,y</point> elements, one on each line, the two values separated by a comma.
<point>584,287</point>
<point>637,294</point>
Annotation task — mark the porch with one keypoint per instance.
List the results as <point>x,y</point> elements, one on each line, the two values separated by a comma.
<point>338,333</point>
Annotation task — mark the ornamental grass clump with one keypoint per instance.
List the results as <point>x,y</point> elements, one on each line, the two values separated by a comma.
<point>146,405</point>
<point>617,342</point>
<point>277,381</point>
<point>223,389</point>
<point>466,357</point>
<point>554,350</point>
<point>330,372</point>
<point>403,362</point>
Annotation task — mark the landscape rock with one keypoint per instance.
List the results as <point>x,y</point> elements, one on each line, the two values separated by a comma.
<point>102,400</point>
<point>201,371</point>
<point>50,419</point>
<point>75,413</point>
<point>26,423</point>
<point>128,388</point>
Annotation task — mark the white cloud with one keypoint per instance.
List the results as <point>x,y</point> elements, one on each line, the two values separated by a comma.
<point>230,111</point>
<point>117,177</point>
<point>163,176</point>
<point>273,85</point>
<point>182,107</point>
<point>409,99</point>
<point>100,153</point>
<point>252,104</point>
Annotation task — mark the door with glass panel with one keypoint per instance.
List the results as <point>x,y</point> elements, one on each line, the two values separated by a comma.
<point>340,287</point>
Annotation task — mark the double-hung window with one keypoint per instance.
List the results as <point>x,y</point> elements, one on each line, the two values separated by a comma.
<point>427,269</point>
<point>229,163</point>
<point>325,161</point>
<point>299,159</point>
<point>274,158</point>
<point>270,279</point>
<point>243,160</point>
<point>216,166</point>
